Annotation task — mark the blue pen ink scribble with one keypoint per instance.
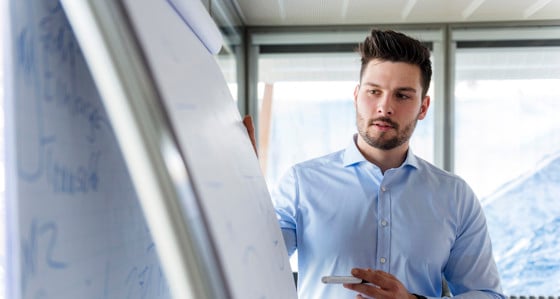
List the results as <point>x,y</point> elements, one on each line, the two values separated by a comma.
<point>39,249</point>
<point>51,229</point>
<point>56,35</point>
<point>151,247</point>
<point>139,282</point>
<point>25,57</point>
<point>71,180</point>
<point>147,280</point>
<point>47,56</point>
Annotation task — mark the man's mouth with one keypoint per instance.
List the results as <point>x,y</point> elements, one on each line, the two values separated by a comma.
<point>383,125</point>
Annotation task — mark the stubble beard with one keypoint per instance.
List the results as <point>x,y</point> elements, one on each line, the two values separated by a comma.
<point>383,141</point>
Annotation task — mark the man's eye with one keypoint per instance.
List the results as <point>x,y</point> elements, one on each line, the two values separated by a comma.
<point>403,96</point>
<point>373,91</point>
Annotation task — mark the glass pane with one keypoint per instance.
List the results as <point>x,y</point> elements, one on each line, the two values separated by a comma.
<point>310,102</point>
<point>508,149</point>
<point>309,119</point>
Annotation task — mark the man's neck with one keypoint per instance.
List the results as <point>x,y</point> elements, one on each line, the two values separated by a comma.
<point>384,159</point>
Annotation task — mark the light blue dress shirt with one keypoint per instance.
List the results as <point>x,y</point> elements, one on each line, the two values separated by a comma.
<point>416,222</point>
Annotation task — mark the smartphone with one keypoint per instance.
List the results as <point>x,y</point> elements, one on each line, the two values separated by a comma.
<point>342,279</point>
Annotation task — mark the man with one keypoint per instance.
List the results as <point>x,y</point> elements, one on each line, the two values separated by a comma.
<point>376,210</point>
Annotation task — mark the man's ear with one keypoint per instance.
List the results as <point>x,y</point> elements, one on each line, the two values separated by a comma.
<point>356,92</point>
<point>424,107</point>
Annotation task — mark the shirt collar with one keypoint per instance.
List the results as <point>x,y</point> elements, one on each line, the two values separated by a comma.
<point>352,155</point>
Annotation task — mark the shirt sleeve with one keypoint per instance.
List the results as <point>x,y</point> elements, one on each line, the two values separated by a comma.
<point>284,199</point>
<point>289,236</point>
<point>471,271</point>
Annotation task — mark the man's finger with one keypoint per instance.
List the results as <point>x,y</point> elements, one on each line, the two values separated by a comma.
<point>248,122</point>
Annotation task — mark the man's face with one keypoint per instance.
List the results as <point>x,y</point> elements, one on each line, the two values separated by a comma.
<point>388,103</point>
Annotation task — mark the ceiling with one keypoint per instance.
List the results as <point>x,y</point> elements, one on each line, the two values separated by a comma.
<point>358,12</point>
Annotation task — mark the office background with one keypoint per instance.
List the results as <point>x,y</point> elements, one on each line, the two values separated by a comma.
<point>493,115</point>
<point>493,118</point>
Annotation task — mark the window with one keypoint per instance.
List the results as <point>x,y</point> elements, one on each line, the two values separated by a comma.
<point>507,146</point>
<point>307,103</point>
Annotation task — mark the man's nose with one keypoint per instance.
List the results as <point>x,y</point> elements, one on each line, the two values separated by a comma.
<point>384,105</point>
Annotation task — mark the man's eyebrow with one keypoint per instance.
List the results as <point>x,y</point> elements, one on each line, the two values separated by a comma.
<point>408,89</point>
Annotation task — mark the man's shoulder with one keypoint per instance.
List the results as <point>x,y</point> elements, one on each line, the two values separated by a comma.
<point>332,160</point>
<point>437,172</point>
<point>444,181</point>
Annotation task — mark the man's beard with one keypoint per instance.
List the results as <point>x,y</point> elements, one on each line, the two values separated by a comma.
<point>382,142</point>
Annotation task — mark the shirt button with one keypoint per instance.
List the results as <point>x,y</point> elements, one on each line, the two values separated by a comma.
<point>384,222</point>
<point>383,189</point>
<point>383,260</point>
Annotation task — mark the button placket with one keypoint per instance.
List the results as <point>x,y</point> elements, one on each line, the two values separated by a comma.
<point>383,231</point>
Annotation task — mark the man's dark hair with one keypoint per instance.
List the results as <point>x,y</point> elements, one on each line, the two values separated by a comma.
<point>396,47</point>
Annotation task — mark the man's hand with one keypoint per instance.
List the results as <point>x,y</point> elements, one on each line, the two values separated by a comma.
<point>248,122</point>
<point>383,285</point>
